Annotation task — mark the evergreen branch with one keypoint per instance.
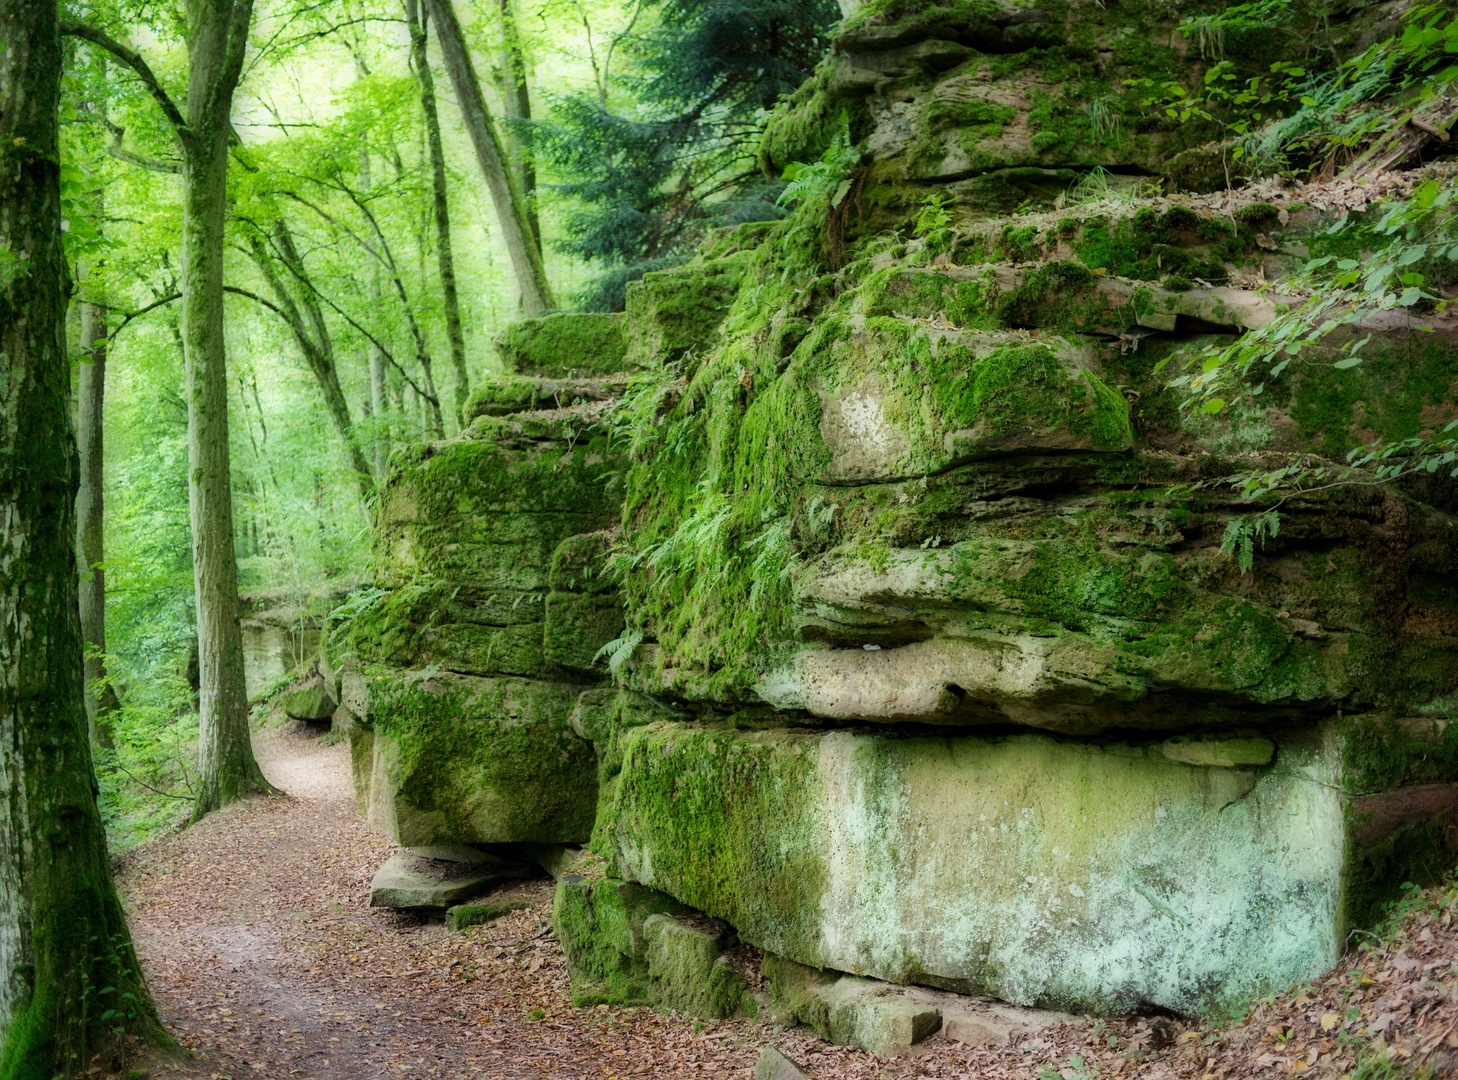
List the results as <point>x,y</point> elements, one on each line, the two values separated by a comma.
<point>133,60</point>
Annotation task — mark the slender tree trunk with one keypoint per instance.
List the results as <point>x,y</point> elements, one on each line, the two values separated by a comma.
<point>517,105</point>
<point>379,387</point>
<point>521,246</point>
<point>216,41</point>
<point>101,699</point>
<point>444,256</point>
<point>314,342</point>
<point>62,934</point>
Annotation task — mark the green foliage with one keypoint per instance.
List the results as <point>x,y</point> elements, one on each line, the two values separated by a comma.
<point>648,179</point>
<point>1412,240</point>
<point>935,214</point>
<point>818,192</point>
<point>1243,533</point>
<point>147,776</point>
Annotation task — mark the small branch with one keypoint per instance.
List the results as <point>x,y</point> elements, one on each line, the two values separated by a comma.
<point>343,315</point>
<point>149,787</point>
<point>133,60</point>
<point>131,157</point>
<point>1437,133</point>
<point>258,300</point>
<point>150,307</point>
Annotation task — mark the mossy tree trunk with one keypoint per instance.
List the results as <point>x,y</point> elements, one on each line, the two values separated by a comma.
<point>516,101</point>
<point>521,244</point>
<point>101,699</point>
<point>63,939</point>
<point>444,256</point>
<point>379,384</point>
<point>216,41</point>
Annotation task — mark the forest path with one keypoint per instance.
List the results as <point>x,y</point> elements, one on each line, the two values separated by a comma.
<point>265,959</point>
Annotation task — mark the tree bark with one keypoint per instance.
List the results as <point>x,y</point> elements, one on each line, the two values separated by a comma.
<point>216,41</point>
<point>62,934</point>
<point>517,105</point>
<point>444,256</point>
<point>101,699</point>
<point>521,246</point>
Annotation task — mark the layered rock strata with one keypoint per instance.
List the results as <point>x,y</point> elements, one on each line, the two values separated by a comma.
<point>860,602</point>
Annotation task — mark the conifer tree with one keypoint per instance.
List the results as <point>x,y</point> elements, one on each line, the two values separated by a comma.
<point>652,179</point>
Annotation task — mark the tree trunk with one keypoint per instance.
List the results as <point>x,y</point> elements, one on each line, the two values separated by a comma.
<point>444,256</point>
<point>521,246</point>
<point>517,105</point>
<point>215,44</point>
<point>314,342</point>
<point>101,699</point>
<point>62,934</point>
<point>379,387</point>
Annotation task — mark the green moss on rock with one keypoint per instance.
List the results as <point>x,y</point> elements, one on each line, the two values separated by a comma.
<point>673,312</point>
<point>600,923</point>
<point>449,759</point>
<point>564,344</point>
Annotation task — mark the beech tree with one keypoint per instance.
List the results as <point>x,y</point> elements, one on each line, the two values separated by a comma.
<point>444,257</point>
<point>217,39</point>
<point>62,934</point>
<point>516,230</point>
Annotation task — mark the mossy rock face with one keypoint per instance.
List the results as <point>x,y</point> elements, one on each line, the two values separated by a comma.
<point>486,514</point>
<point>601,925</point>
<point>897,401</point>
<point>563,345</point>
<point>629,945</point>
<point>687,969</point>
<point>1003,866</point>
<point>457,759</point>
<point>503,395</point>
<point>913,456</point>
<point>1108,626</point>
<point>312,701</point>
<point>674,312</point>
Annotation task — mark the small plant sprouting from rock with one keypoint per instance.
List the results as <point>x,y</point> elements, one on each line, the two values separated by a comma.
<point>1243,533</point>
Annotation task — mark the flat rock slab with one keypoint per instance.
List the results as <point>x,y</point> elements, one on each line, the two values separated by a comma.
<point>458,853</point>
<point>410,883</point>
<point>890,1020</point>
<point>773,1065</point>
<point>990,1023</point>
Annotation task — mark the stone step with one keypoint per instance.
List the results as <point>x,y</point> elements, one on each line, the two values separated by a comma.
<point>408,882</point>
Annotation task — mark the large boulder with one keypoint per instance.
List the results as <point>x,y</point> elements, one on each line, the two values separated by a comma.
<point>1107,876</point>
<point>897,616</point>
<point>450,759</point>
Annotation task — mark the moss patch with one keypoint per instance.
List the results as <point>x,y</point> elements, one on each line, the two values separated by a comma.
<point>564,344</point>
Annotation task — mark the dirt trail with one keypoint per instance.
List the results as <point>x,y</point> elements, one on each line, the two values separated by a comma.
<point>266,961</point>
